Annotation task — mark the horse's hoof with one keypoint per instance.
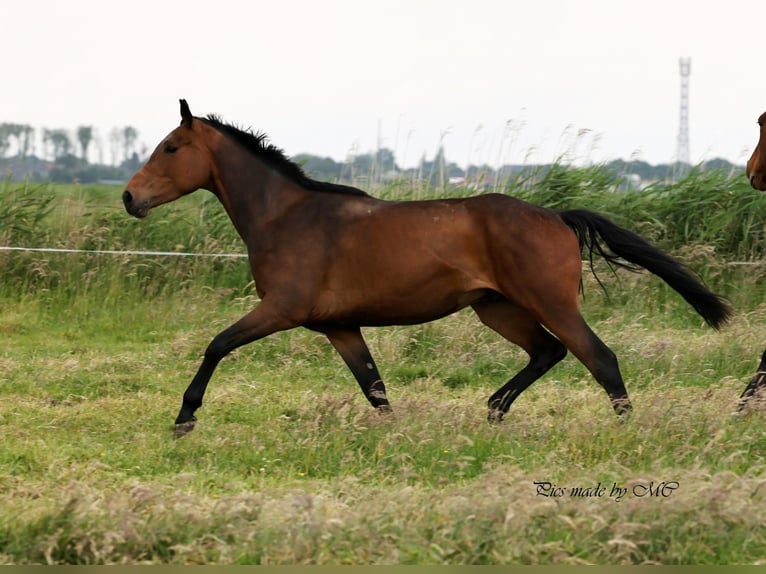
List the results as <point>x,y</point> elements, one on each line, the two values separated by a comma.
<point>384,409</point>
<point>495,416</point>
<point>182,429</point>
<point>749,404</point>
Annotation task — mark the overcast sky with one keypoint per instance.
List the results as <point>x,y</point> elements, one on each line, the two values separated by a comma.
<point>493,81</point>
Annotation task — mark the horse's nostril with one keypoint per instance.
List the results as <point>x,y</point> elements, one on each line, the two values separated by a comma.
<point>127,197</point>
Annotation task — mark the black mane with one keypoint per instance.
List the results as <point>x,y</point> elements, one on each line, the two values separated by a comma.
<point>259,145</point>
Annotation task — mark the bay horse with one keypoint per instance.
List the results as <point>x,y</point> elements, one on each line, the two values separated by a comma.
<point>756,165</point>
<point>331,258</point>
<point>756,175</point>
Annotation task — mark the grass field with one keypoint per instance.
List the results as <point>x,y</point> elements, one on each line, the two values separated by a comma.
<point>290,465</point>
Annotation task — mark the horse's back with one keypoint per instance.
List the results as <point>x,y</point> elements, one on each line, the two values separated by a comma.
<point>473,233</point>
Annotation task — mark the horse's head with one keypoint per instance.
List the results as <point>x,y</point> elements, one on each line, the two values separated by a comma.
<point>756,165</point>
<point>180,164</point>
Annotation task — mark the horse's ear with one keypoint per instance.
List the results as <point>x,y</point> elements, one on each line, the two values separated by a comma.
<point>186,115</point>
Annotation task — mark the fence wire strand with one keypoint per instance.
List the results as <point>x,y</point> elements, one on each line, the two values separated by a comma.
<point>117,252</point>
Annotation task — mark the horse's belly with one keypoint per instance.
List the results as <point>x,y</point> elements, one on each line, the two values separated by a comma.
<point>409,309</point>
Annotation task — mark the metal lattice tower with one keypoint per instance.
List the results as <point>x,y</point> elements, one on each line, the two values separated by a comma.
<point>682,151</point>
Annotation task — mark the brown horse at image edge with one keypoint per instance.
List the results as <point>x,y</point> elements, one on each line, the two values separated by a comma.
<point>756,175</point>
<point>331,258</point>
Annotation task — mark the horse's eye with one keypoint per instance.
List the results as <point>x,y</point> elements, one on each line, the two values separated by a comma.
<point>170,148</point>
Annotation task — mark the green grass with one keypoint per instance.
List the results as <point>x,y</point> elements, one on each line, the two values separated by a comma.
<point>289,464</point>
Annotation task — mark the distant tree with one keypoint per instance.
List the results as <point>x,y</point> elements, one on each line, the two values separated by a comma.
<point>453,170</point>
<point>436,175</point>
<point>99,143</point>
<point>132,163</point>
<point>8,131</point>
<point>129,137</point>
<point>362,165</point>
<point>721,165</point>
<point>58,143</point>
<point>26,140</point>
<point>84,137</point>
<point>641,168</point>
<point>373,165</point>
<point>320,168</point>
<point>115,144</point>
<point>385,161</point>
<point>4,139</point>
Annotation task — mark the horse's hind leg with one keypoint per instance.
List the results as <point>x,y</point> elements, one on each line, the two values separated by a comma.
<point>572,330</point>
<point>756,385</point>
<point>351,346</point>
<point>518,326</point>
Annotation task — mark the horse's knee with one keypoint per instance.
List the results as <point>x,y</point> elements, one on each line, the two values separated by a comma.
<point>216,350</point>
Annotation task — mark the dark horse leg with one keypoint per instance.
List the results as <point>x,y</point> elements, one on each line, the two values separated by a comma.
<point>519,327</point>
<point>756,384</point>
<point>257,324</point>
<point>352,347</point>
<point>571,332</point>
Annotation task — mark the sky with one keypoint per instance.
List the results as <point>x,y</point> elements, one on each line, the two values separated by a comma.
<point>491,81</point>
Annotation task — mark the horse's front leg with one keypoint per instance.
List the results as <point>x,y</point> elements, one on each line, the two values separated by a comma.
<point>260,322</point>
<point>351,346</point>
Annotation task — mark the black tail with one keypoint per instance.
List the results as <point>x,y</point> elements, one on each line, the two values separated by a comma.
<point>628,248</point>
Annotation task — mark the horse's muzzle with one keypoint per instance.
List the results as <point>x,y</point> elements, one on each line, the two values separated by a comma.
<point>136,208</point>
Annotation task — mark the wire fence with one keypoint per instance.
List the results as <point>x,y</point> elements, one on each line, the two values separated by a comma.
<point>186,254</point>
<point>119,252</point>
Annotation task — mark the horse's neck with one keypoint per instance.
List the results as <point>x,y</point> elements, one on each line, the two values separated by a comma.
<point>252,192</point>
